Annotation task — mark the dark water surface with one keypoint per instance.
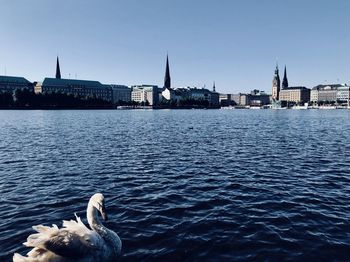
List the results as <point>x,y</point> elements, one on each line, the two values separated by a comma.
<point>184,185</point>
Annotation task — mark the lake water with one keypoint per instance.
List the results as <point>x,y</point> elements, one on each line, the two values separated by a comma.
<point>183,185</point>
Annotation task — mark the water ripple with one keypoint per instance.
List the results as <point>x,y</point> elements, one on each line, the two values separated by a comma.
<point>184,185</point>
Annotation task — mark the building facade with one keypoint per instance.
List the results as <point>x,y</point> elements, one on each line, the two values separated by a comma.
<point>296,94</point>
<point>199,94</point>
<point>225,100</point>
<point>328,94</point>
<point>254,98</point>
<point>343,94</point>
<point>120,93</point>
<point>81,88</point>
<point>145,94</point>
<point>257,98</point>
<point>240,99</point>
<point>11,83</point>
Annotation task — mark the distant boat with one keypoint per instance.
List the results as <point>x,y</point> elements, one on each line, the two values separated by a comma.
<point>305,106</point>
<point>254,107</point>
<point>327,107</point>
<point>124,107</point>
<point>227,107</point>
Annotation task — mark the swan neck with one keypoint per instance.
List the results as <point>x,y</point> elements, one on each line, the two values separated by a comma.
<point>93,219</point>
<point>96,225</point>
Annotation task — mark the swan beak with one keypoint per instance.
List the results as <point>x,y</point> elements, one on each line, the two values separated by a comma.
<point>104,215</point>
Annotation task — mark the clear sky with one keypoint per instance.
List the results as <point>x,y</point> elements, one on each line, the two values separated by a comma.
<point>234,42</point>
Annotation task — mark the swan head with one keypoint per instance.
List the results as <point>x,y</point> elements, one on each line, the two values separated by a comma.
<point>98,201</point>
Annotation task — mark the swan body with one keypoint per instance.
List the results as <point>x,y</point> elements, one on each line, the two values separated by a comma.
<point>74,241</point>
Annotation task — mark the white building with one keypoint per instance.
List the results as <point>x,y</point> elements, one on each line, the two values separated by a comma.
<point>145,94</point>
<point>327,93</point>
<point>314,95</point>
<point>168,94</point>
<point>343,94</point>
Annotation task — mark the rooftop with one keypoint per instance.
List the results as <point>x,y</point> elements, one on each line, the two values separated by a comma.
<point>330,87</point>
<point>70,82</point>
<point>294,88</point>
<point>14,79</point>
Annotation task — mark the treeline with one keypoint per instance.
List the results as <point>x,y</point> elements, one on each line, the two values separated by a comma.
<point>186,102</point>
<point>27,99</point>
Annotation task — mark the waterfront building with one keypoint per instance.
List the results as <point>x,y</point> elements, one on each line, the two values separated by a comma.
<point>314,95</point>
<point>145,94</point>
<point>225,100</point>
<point>81,88</point>
<point>244,100</point>
<point>295,94</point>
<point>327,94</point>
<point>343,94</point>
<point>199,94</point>
<point>224,97</point>
<point>254,98</point>
<point>76,87</point>
<point>257,98</point>
<point>204,94</point>
<point>176,95</point>
<point>276,85</point>
<point>240,99</point>
<point>120,93</point>
<point>11,83</point>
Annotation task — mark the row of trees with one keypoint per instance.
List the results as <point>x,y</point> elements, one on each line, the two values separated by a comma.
<point>25,98</point>
<point>186,102</point>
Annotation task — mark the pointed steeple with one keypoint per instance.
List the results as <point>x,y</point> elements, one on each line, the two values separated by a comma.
<point>276,78</point>
<point>285,80</point>
<point>214,88</point>
<point>58,71</point>
<point>167,81</point>
<point>276,70</point>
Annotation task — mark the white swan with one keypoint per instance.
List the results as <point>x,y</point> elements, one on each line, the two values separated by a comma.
<point>74,242</point>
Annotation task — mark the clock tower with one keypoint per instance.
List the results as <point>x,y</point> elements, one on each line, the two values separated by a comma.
<point>276,85</point>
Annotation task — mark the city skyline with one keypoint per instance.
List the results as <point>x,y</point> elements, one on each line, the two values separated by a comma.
<point>234,44</point>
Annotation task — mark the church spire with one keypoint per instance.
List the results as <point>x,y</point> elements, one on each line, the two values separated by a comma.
<point>214,88</point>
<point>167,81</point>
<point>285,80</point>
<point>276,70</point>
<point>58,71</point>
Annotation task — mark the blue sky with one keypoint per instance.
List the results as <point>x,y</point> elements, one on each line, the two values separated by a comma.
<point>234,42</point>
